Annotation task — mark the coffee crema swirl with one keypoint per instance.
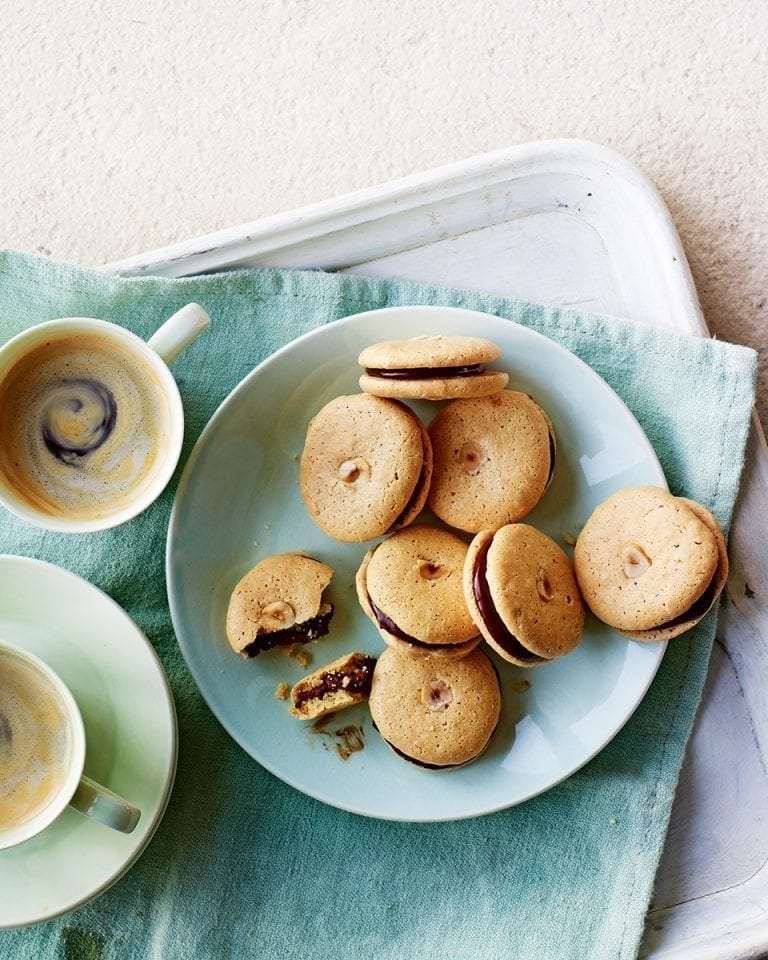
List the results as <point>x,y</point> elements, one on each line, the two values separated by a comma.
<point>83,418</point>
<point>76,418</point>
<point>36,743</point>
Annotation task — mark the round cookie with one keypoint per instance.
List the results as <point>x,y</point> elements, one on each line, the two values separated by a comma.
<point>366,467</point>
<point>278,603</point>
<point>650,564</point>
<point>410,586</point>
<point>522,593</point>
<point>431,368</point>
<point>493,459</point>
<point>436,713</point>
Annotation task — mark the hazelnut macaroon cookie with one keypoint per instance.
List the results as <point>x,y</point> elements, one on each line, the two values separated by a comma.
<point>493,459</point>
<point>366,467</point>
<point>523,595</point>
<point>651,564</point>
<point>277,603</point>
<point>431,368</point>
<point>336,686</point>
<point>410,586</point>
<point>437,714</point>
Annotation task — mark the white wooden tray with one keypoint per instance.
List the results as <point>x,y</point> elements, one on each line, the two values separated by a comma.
<point>568,222</point>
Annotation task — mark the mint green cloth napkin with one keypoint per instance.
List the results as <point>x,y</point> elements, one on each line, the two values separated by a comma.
<point>244,866</point>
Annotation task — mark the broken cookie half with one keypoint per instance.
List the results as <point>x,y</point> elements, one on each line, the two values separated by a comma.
<point>277,603</point>
<point>340,684</point>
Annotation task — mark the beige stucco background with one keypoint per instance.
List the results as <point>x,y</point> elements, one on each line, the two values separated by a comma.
<point>128,126</point>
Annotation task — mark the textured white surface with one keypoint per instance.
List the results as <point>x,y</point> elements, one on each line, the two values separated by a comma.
<point>130,126</point>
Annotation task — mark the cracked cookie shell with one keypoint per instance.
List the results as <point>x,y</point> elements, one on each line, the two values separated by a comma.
<point>333,687</point>
<point>277,603</point>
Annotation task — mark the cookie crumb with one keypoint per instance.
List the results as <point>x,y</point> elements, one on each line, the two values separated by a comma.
<point>520,686</point>
<point>282,691</point>
<point>303,658</point>
<point>568,538</point>
<point>351,739</point>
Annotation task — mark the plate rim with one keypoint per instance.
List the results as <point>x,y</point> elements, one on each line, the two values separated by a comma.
<point>189,468</point>
<point>170,778</point>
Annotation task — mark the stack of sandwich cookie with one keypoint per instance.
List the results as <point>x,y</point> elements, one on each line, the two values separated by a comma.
<point>493,459</point>
<point>523,595</point>
<point>410,586</point>
<point>366,467</point>
<point>279,603</point>
<point>651,564</point>
<point>436,713</point>
<point>431,368</point>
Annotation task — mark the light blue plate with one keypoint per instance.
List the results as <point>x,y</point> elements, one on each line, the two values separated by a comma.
<point>239,502</point>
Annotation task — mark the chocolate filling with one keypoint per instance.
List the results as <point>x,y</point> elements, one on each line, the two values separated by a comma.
<point>551,458</point>
<point>428,373</point>
<point>422,763</point>
<point>697,609</point>
<point>412,500</point>
<point>310,629</point>
<point>417,490</point>
<point>493,622</point>
<point>358,676</point>
<point>391,627</point>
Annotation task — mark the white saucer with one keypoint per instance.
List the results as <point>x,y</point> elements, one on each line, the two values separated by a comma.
<point>130,724</point>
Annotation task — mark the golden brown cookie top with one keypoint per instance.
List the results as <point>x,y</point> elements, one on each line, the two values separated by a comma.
<point>436,712</point>
<point>493,459</point>
<point>690,617</point>
<point>523,595</point>
<point>431,368</point>
<point>644,558</point>
<point>410,586</point>
<point>429,351</point>
<point>364,460</point>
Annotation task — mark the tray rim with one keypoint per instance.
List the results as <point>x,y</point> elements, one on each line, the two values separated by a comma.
<point>225,249</point>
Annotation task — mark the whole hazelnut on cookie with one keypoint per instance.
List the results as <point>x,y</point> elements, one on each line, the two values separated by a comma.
<point>493,459</point>
<point>436,713</point>
<point>522,594</point>
<point>366,467</point>
<point>277,603</point>
<point>410,586</point>
<point>651,564</point>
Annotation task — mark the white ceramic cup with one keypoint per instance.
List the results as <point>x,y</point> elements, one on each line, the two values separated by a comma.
<point>175,335</point>
<point>76,790</point>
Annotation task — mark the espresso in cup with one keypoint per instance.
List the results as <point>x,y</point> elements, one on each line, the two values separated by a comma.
<point>83,421</point>
<point>37,744</point>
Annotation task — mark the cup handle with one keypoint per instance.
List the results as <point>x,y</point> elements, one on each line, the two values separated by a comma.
<point>101,804</point>
<point>179,331</point>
